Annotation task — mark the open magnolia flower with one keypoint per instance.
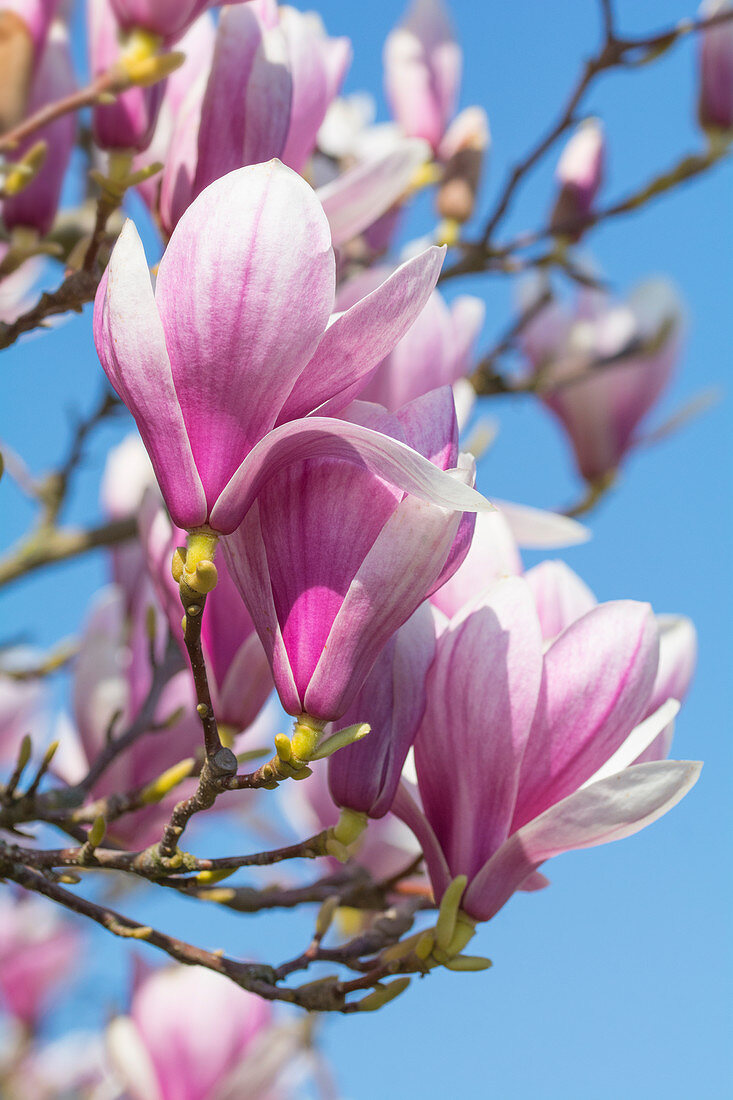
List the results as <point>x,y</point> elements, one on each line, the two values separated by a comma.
<point>543,747</point>
<point>234,365</point>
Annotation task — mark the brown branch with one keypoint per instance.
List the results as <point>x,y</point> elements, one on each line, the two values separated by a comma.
<point>61,544</point>
<point>74,293</point>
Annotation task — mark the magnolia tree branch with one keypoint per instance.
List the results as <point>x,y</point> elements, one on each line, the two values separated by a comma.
<point>76,291</point>
<point>49,547</point>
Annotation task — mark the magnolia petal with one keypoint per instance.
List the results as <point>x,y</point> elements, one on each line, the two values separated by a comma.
<point>247,685</point>
<point>357,340</point>
<point>560,595</point>
<point>246,109</point>
<point>356,199</point>
<point>380,599</point>
<point>321,436</point>
<point>614,808</point>
<point>597,679</point>
<point>482,693</point>
<point>131,344</point>
<point>246,558</point>
<point>244,290</point>
<point>493,554</point>
<point>406,809</point>
<point>536,529</point>
<point>638,741</point>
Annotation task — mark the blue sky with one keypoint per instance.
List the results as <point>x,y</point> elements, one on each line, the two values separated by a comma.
<point>616,980</point>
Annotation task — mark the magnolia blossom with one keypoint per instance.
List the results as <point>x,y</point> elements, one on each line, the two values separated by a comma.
<point>16,288</point>
<point>320,558</point>
<point>541,744</point>
<point>422,65</point>
<point>579,175</point>
<point>37,951</point>
<point>715,96</point>
<point>35,206</point>
<point>604,365</point>
<point>435,351</point>
<point>192,1035</point>
<point>112,678</point>
<point>236,341</point>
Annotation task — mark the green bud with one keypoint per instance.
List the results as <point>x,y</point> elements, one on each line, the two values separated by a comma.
<point>383,994</point>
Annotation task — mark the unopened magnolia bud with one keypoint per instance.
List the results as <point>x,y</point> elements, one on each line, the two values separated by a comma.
<point>326,914</point>
<point>24,753</point>
<point>209,878</point>
<point>97,832</point>
<point>457,192</point>
<point>468,963</point>
<point>25,170</point>
<point>446,924</point>
<point>167,782</point>
<point>383,994</point>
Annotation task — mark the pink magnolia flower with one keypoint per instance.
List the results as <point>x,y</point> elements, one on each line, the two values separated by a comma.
<point>189,1035</point>
<point>604,365</point>
<point>35,206</point>
<point>538,732</point>
<point>435,351</point>
<point>169,19</point>
<point>273,73</point>
<point>235,341</point>
<point>239,672</point>
<point>715,96</point>
<point>35,15</point>
<point>112,677</point>
<point>422,64</point>
<point>320,558</point>
<point>127,476</point>
<point>129,122</point>
<point>364,776</point>
<point>579,175</point>
<point>37,951</point>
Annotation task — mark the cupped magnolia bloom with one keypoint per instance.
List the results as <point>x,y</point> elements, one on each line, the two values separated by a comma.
<point>604,366</point>
<point>162,1053</point>
<point>579,175</point>
<point>37,952</point>
<point>35,206</point>
<point>112,677</point>
<point>435,351</point>
<point>127,123</point>
<point>534,731</point>
<point>168,19</point>
<point>240,677</point>
<point>422,67</point>
<point>20,704</point>
<point>24,25</point>
<point>715,95</point>
<point>236,341</point>
<point>365,776</point>
<point>320,558</point>
<point>264,93</point>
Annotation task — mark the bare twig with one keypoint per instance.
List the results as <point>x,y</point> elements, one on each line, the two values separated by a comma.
<point>74,293</point>
<point>61,544</point>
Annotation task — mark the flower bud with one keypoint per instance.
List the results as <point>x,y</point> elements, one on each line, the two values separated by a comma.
<point>579,175</point>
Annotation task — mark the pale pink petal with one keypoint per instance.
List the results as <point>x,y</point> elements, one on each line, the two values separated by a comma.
<point>356,199</point>
<point>634,748</point>
<point>131,344</point>
<point>357,340</point>
<point>560,595</point>
<point>482,693</point>
<point>406,809</point>
<point>597,681</point>
<point>322,436</point>
<point>609,810</point>
<point>536,529</point>
<point>493,554</point>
